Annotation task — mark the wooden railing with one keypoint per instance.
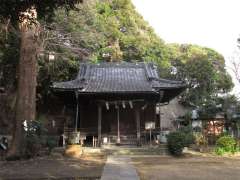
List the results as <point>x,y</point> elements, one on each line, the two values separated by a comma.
<point>83,131</point>
<point>127,139</point>
<point>124,139</point>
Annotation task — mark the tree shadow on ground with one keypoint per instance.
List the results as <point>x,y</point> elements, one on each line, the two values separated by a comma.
<point>54,167</point>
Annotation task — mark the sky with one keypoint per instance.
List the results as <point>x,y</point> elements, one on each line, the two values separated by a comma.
<point>210,23</point>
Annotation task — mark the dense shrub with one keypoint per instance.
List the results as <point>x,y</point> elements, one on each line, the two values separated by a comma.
<point>51,143</point>
<point>189,137</point>
<point>200,139</point>
<point>176,141</point>
<point>33,138</point>
<point>33,145</point>
<point>36,139</point>
<point>183,137</point>
<point>226,144</point>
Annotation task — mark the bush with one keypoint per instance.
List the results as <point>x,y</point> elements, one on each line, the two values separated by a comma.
<point>226,144</point>
<point>189,139</point>
<point>220,151</point>
<point>176,141</point>
<point>183,137</point>
<point>187,131</point>
<point>200,140</point>
<point>36,138</point>
<point>51,143</point>
<point>33,140</point>
<point>32,146</point>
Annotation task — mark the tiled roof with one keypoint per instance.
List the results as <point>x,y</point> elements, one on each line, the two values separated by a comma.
<point>117,77</point>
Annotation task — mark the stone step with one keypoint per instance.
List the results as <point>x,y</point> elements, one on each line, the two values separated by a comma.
<point>137,151</point>
<point>121,150</point>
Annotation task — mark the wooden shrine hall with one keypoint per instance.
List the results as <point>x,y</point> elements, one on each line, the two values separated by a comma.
<point>114,100</point>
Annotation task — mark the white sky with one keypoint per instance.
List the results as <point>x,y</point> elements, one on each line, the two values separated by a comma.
<point>210,23</point>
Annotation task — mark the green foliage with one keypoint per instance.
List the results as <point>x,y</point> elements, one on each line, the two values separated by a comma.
<point>36,138</point>
<point>60,70</point>
<point>9,55</point>
<point>179,139</point>
<point>188,117</point>
<point>115,28</point>
<point>176,142</point>
<point>33,139</point>
<point>106,25</point>
<point>225,105</point>
<point>203,70</point>
<point>11,8</point>
<point>51,143</point>
<point>200,139</point>
<point>209,110</point>
<point>100,28</point>
<point>220,151</point>
<point>225,144</point>
<point>33,145</point>
<point>189,137</point>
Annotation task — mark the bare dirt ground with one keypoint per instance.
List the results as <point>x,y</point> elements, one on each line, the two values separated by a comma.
<point>60,168</point>
<point>187,168</point>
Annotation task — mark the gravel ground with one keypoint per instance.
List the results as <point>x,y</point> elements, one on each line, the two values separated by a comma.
<point>187,168</point>
<point>60,168</point>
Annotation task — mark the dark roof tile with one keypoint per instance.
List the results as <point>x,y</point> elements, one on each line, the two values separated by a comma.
<point>118,77</point>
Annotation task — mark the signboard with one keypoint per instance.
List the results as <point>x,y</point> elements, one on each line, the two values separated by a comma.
<point>149,125</point>
<point>157,109</point>
<point>105,140</point>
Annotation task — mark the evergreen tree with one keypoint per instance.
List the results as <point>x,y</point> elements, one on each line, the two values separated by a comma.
<point>23,15</point>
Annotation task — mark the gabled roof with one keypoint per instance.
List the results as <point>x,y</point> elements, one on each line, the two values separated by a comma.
<point>117,78</point>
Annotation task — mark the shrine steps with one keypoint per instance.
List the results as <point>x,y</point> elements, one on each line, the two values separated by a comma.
<point>122,150</point>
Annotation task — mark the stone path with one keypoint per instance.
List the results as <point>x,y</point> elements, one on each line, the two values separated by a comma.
<point>119,168</point>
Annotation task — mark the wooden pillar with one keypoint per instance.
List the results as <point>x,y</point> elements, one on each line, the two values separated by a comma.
<point>138,126</point>
<point>118,125</point>
<point>77,111</point>
<point>160,122</point>
<point>99,125</point>
<point>161,93</point>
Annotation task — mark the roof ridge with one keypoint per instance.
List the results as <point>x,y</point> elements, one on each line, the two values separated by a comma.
<point>114,64</point>
<point>170,81</point>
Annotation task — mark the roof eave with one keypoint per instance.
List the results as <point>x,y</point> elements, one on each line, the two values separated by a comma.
<point>118,92</point>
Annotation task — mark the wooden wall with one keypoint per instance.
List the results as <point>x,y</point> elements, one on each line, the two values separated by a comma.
<point>88,118</point>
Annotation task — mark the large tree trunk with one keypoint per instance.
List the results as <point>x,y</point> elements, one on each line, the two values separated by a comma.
<point>26,92</point>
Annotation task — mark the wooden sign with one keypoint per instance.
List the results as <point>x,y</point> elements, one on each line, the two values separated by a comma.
<point>149,125</point>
